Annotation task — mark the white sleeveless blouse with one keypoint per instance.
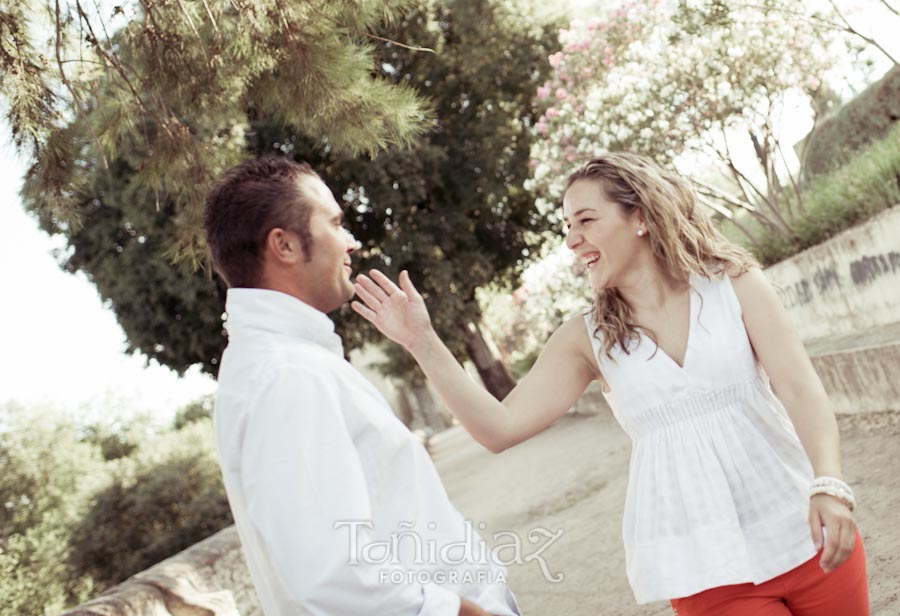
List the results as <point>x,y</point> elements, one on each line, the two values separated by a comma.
<point>718,483</point>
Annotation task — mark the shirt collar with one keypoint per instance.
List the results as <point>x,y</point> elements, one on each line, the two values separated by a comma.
<point>280,313</point>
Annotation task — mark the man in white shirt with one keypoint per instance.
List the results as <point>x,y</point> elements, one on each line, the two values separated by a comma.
<point>339,508</point>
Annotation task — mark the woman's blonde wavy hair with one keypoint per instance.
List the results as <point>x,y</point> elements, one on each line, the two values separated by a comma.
<point>681,235</point>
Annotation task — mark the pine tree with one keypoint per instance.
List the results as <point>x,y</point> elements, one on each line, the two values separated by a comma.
<point>451,208</point>
<point>169,85</point>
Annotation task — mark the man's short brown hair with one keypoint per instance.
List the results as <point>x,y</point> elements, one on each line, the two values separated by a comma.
<point>248,201</point>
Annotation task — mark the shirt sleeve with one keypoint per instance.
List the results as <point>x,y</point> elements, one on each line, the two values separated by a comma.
<point>308,500</point>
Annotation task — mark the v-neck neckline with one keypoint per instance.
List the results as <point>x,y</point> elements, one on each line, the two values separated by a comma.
<point>687,346</point>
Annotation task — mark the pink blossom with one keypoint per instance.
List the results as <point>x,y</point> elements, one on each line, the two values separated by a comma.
<point>543,92</point>
<point>552,112</point>
<point>533,162</point>
<point>542,128</point>
<point>556,59</point>
<point>561,93</point>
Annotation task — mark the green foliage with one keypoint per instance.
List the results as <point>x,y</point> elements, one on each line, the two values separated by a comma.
<point>114,439</point>
<point>170,500</point>
<point>451,210</point>
<point>175,81</point>
<point>867,184</point>
<point>195,411</point>
<point>866,118</point>
<point>170,313</point>
<point>73,521</point>
<point>22,80</point>
<point>49,475</point>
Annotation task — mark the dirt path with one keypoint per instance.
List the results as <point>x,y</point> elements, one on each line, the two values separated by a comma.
<point>573,477</point>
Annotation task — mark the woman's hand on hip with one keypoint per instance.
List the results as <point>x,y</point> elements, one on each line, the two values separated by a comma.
<point>839,537</point>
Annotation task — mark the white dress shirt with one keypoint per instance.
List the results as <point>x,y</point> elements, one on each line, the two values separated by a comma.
<point>338,506</point>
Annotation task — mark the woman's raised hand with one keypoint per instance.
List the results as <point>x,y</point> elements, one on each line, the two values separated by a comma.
<point>398,312</point>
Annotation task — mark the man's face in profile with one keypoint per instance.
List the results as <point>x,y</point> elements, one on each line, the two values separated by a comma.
<point>327,268</point>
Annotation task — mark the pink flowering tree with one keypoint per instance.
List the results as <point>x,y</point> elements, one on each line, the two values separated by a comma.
<point>684,83</point>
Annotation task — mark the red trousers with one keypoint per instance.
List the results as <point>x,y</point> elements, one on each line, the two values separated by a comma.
<point>803,591</point>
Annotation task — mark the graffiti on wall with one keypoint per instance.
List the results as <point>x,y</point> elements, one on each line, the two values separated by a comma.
<point>863,271</point>
<point>868,268</point>
<point>801,292</point>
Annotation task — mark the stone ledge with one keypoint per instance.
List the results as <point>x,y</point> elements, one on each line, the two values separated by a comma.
<point>209,578</point>
<point>862,380</point>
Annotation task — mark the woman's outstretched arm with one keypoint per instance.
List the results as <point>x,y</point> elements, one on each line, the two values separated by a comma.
<point>557,379</point>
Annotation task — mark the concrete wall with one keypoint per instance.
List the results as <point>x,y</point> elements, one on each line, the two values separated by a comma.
<point>848,284</point>
<point>844,297</point>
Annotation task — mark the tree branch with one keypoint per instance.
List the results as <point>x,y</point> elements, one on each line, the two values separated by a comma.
<point>212,18</point>
<point>818,21</point>
<point>113,60</point>
<point>856,32</point>
<point>794,181</point>
<point>740,179</point>
<point>891,8</point>
<point>386,40</point>
<point>71,89</point>
<point>731,218</point>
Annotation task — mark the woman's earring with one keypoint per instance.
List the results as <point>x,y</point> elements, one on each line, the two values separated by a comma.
<point>640,232</point>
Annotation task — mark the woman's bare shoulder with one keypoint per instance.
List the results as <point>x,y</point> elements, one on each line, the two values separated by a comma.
<point>748,280</point>
<point>576,335</point>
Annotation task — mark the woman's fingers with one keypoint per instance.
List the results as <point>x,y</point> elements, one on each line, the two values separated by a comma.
<point>363,293</point>
<point>830,518</point>
<point>832,543</point>
<point>815,527</point>
<point>374,289</point>
<point>407,285</point>
<point>364,312</point>
<point>386,283</point>
<point>840,543</point>
<point>848,544</point>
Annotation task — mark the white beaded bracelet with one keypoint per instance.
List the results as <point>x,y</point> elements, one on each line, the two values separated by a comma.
<point>833,487</point>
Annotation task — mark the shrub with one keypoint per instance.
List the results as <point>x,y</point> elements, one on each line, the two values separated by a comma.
<point>866,185</point>
<point>170,499</point>
<point>863,120</point>
<point>49,475</point>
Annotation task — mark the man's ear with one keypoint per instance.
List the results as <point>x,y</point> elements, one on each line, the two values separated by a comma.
<point>283,245</point>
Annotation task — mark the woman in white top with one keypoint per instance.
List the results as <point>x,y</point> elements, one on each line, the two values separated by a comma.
<point>735,500</point>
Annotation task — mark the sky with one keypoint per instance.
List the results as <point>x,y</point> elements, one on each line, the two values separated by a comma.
<point>62,349</point>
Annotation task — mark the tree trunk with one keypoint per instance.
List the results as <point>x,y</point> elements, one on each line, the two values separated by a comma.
<point>483,353</point>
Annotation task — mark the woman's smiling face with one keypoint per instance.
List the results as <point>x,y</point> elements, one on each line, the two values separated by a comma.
<point>601,235</point>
